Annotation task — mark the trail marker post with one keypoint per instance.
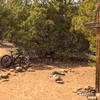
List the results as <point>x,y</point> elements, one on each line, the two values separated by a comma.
<point>97,26</point>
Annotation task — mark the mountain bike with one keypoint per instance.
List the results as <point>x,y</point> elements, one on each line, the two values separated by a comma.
<point>19,58</point>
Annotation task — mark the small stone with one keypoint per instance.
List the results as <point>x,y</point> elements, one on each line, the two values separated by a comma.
<point>93,91</point>
<point>58,72</point>
<point>5,76</point>
<point>53,73</point>
<point>54,77</point>
<point>9,73</point>
<point>79,92</point>
<point>23,70</point>
<point>89,94</point>
<point>75,90</point>
<point>92,98</point>
<point>86,87</point>
<point>30,70</point>
<point>5,80</point>
<point>16,71</point>
<point>60,81</point>
<point>11,70</point>
<point>80,89</point>
<point>25,67</point>
<point>64,70</point>
<point>83,94</point>
<point>3,70</point>
<point>61,72</point>
<point>14,74</point>
<point>19,69</point>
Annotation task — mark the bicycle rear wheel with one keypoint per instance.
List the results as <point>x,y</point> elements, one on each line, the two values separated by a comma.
<point>6,61</point>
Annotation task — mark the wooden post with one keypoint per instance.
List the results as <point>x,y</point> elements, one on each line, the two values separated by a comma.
<point>97,25</point>
<point>98,52</point>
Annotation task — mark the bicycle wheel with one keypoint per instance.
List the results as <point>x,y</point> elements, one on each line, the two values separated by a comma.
<point>6,61</point>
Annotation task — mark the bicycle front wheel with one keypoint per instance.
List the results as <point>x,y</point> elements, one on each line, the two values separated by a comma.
<point>6,61</point>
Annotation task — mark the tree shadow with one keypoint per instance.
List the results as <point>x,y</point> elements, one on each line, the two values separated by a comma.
<point>49,65</point>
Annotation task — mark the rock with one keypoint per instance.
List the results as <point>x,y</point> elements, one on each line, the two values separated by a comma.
<point>79,92</point>
<point>3,70</point>
<point>14,74</point>
<point>25,67</point>
<point>64,70</point>
<point>18,69</point>
<point>58,72</point>
<point>30,70</point>
<point>75,90</point>
<point>23,70</point>
<point>53,73</point>
<point>54,77</point>
<point>5,80</point>
<point>9,73</point>
<point>61,72</point>
<point>79,89</point>
<point>93,91</point>
<point>87,87</point>
<point>5,76</point>
<point>86,91</point>
<point>60,81</point>
<point>91,98</point>
<point>11,70</point>
<point>89,94</point>
<point>83,94</point>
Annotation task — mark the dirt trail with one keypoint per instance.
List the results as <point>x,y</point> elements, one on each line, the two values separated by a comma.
<point>36,86</point>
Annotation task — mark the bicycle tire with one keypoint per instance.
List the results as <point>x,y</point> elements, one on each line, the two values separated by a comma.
<point>6,61</point>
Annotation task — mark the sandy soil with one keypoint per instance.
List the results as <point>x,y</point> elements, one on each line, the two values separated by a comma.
<point>37,86</point>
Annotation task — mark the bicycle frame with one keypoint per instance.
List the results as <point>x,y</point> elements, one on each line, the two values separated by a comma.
<point>15,58</point>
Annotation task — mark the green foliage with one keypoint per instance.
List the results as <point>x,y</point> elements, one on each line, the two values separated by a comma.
<point>40,26</point>
<point>87,13</point>
<point>92,61</point>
